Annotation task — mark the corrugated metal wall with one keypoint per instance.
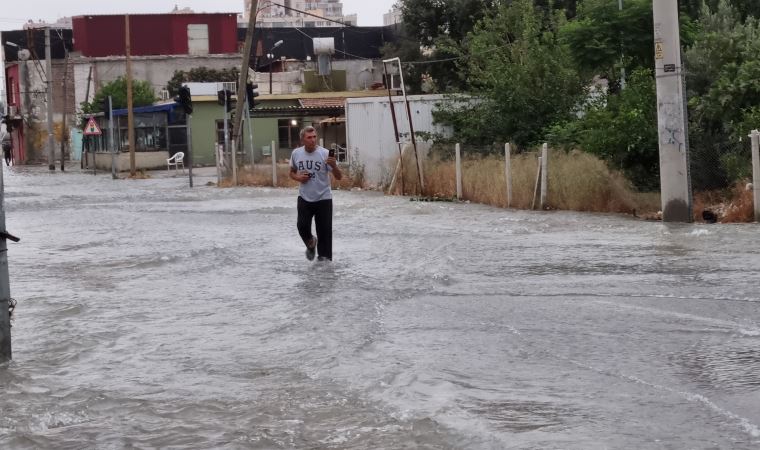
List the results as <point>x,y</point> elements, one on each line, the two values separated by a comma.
<point>370,136</point>
<point>152,34</point>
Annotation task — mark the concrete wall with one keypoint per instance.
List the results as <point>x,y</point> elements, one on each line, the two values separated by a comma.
<point>156,70</point>
<point>143,160</point>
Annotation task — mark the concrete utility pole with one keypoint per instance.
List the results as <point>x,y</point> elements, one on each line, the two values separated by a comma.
<point>130,113</point>
<point>236,124</point>
<point>675,179</point>
<point>49,79</point>
<point>5,290</point>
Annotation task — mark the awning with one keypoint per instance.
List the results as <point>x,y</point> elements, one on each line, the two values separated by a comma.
<point>168,107</point>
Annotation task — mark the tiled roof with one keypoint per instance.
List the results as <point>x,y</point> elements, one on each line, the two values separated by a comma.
<point>337,102</point>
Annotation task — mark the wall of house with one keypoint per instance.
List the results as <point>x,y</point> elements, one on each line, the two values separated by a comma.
<point>370,137</point>
<point>203,126</point>
<point>157,70</point>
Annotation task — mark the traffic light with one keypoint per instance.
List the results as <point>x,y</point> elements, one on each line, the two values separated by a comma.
<point>106,107</point>
<point>250,90</point>
<point>184,99</point>
<point>220,97</point>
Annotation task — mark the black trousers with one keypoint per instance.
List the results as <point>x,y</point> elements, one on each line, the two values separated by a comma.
<point>321,212</point>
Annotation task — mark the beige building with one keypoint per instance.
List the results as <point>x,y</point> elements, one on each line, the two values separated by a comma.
<point>287,14</point>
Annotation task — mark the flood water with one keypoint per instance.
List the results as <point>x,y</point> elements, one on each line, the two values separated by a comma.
<point>152,315</point>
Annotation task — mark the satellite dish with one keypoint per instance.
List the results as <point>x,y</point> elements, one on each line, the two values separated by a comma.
<point>364,79</point>
<point>23,54</point>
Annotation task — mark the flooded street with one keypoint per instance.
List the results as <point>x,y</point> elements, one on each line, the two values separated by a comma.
<point>152,315</point>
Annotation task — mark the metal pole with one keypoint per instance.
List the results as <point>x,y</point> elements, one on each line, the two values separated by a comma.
<point>544,174</point>
<point>130,112</point>
<point>64,128</point>
<point>508,172</point>
<point>395,126</point>
<point>675,180</point>
<point>250,130</point>
<point>5,290</point>
<point>274,165</point>
<point>111,143</point>
<point>756,171</point>
<point>190,148</point>
<point>458,154</point>
<point>226,131</point>
<point>622,68</point>
<point>49,81</point>
<point>411,127</point>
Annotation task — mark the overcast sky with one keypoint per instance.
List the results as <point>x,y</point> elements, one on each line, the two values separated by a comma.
<point>15,14</point>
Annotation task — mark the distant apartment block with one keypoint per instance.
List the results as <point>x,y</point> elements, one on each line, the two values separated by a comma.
<point>392,17</point>
<point>290,13</point>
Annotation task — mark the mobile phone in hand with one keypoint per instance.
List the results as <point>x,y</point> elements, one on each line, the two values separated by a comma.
<point>331,153</point>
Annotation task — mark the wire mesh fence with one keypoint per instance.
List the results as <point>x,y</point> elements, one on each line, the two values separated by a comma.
<point>720,165</point>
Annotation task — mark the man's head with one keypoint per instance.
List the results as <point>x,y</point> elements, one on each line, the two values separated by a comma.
<point>309,138</point>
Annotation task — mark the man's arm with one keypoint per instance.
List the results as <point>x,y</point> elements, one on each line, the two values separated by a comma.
<point>332,162</point>
<point>300,177</point>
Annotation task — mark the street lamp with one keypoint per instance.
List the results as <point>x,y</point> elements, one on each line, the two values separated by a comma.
<point>270,55</point>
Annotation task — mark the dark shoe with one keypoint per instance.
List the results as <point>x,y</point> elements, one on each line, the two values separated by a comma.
<point>324,258</point>
<point>311,251</point>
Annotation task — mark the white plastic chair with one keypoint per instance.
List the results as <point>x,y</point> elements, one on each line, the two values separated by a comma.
<point>178,160</point>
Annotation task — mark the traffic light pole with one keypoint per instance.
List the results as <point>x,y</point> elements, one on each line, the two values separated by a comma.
<point>190,148</point>
<point>244,69</point>
<point>226,132</point>
<point>110,138</point>
<point>250,131</point>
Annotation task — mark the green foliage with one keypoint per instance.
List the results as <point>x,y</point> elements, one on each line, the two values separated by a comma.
<point>521,76</point>
<point>603,38</point>
<point>201,75</point>
<point>142,95</point>
<point>621,129</point>
<point>440,27</point>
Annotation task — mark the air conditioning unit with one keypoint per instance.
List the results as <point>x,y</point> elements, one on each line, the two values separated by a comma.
<point>164,94</point>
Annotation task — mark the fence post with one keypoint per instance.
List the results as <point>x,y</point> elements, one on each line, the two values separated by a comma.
<point>544,174</point>
<point>535,188</point>
<point>274,165</point>
<point>508,171</point>
<point>458,152</point>
<point>755,135</point>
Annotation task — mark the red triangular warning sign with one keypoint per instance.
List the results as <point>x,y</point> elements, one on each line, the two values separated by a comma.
<point>92,128</point>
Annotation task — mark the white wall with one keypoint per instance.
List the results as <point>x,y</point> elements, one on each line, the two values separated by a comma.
<point>156,70</point>
<point>370,135</point>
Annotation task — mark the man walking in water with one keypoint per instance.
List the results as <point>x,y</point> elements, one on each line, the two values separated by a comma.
<point>7,144</point>
<point>310,165</point>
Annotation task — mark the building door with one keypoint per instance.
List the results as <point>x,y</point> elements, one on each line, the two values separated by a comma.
<point>177,139</point>
<point>197,39</point>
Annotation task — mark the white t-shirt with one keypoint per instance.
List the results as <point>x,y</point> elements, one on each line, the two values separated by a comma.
<point>318,187</point>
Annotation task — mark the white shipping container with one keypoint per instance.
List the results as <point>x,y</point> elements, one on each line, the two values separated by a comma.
<point>370,138</point>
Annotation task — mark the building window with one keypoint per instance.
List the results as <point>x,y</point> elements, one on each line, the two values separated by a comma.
<point>288,133</point>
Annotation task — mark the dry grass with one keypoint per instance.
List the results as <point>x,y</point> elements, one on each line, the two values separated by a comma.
<point>261,175</point>
<point>577,181</point>
<point>730,205</point>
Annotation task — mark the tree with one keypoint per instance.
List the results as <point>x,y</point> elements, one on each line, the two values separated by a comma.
<point>201,75</point>
<point>440,27</point>
<point>142,95</point>
<point>520,75</point>
<point>621,129</point>
<point>602,38</point>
